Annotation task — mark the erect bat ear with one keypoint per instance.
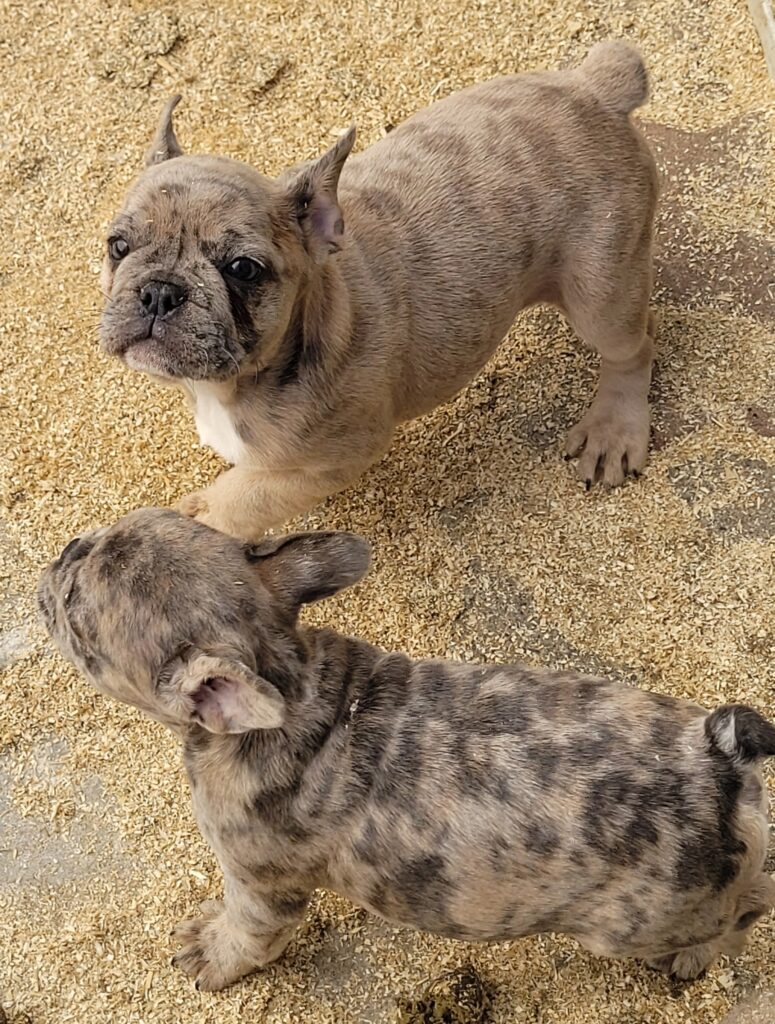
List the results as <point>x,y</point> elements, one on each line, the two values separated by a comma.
<point>311,200</point>
<point>164,145</point>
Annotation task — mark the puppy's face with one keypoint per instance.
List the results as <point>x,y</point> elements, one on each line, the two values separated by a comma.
<point>207,260</point>
<point>187,624</point>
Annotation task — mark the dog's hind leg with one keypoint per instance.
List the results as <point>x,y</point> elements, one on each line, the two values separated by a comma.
<point>611,440</point>
<point>605,285</point>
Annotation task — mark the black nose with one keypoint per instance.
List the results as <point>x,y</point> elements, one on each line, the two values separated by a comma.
<point>160,298</point>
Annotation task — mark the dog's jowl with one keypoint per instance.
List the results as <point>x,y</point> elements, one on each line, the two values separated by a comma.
<point>306,316</point>
<point>477,802</point>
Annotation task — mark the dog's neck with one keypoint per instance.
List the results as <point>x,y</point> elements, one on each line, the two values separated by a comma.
<point>319,332</point>
<point>315,340</point>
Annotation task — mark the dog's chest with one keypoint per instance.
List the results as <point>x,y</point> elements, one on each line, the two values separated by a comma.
<point>215,424</point>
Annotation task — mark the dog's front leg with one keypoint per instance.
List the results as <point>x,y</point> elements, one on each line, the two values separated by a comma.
<point>245,502</point>
<point>248,930</point>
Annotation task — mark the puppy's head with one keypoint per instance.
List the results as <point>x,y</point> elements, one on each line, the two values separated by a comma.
<point>187,624</point>
<point>206,261</point>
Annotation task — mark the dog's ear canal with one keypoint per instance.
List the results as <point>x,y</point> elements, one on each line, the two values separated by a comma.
<point>164,145</point>
<point>310,199</point>
<point>306,567</point>
<point>225,696</point>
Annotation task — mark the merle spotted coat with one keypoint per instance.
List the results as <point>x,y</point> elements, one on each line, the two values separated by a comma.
<point>478,802</point>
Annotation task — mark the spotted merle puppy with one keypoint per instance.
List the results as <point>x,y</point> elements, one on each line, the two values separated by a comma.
<point>477,802</point>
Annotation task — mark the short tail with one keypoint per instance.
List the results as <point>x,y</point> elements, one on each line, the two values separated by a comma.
<point>740,732</point>
<point>617,76</point>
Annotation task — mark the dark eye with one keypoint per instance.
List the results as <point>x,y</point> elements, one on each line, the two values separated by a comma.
<point>118,248</point>
<point>245,269</point>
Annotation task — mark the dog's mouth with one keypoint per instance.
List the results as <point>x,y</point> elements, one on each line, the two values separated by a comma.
<point>148,356</point>
<point>142,345</point>
<point>168,351</point>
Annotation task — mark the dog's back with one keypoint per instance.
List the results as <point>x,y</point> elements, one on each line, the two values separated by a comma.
<point>510,801</point>
<point>485,200</point>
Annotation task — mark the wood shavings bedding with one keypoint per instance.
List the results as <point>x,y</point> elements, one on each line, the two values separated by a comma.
<point>485,545</point>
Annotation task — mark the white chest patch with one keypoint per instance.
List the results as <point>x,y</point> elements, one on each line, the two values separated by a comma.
<point>215,425</point>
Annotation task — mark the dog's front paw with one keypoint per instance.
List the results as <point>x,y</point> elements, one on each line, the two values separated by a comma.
<point>209,950</point>
<point>193,504</point>
<point>687,963</point>
<point>198,506</point>
<point>220,519</point>
<point>611,443</point>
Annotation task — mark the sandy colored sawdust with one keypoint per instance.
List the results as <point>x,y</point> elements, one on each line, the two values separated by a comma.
<point>486,545</point>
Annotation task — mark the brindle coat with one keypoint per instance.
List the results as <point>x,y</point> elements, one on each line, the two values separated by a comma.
<point>478,802</point>
<point>301,345</point>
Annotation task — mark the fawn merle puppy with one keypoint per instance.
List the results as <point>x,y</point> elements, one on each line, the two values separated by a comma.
<point>301,345</point>
<point>478,802</point>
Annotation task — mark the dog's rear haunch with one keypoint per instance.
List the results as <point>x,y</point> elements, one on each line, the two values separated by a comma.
<point>477,802</point>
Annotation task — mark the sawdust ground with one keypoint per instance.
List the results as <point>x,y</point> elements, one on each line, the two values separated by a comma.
<point>485,544</point>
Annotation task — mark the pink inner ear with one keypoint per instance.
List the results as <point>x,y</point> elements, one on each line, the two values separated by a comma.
<point>326,220</point>
<point>207,688</point>
<point>230,704</point>
<point>205,700</point>
<point>217,704</point>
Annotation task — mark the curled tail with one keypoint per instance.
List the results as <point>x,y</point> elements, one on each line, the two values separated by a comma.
<point>741,732</point>
<point>617,75</point>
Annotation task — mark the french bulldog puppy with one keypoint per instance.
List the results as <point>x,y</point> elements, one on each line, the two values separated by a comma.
<point>301,345</point>
<point>480,802</point>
